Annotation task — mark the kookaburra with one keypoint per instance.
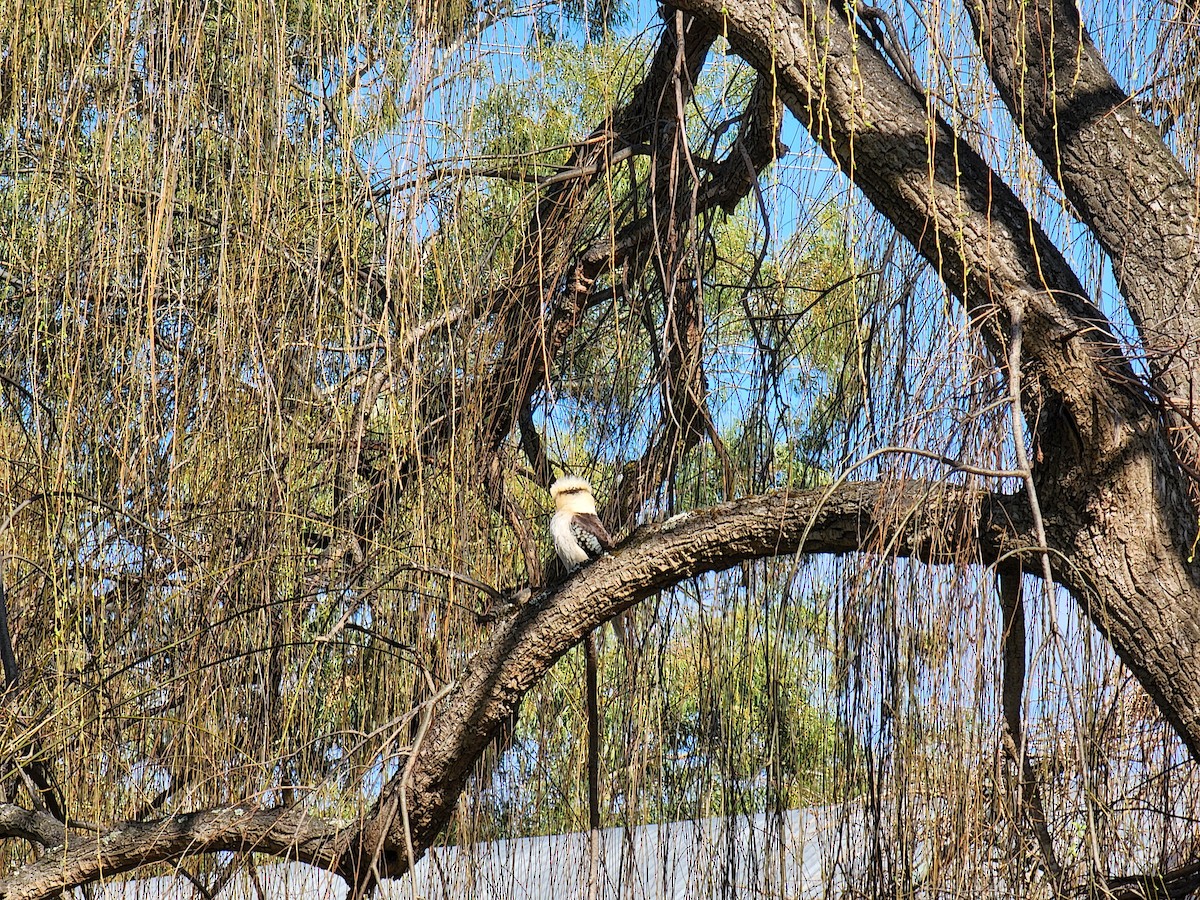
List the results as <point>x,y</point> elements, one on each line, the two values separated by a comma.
<point>579,535</point>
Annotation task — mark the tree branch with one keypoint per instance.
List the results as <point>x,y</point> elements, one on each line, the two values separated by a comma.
<point>1029,806</point>
<point>290,833</point>
<point>1171,885</point>
<point>1107,480</point>
<point>935,522</point>
<point>936,190</point>
<point>1123,181</point>
<point>31,825</point>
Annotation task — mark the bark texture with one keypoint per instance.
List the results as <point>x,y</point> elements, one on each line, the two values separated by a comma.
<point>934,522</point>
<point>1123,181</point>
<point>937,523</point>
<point>286,832</point>
<point>1117,516</point>
<point>1113,499</point>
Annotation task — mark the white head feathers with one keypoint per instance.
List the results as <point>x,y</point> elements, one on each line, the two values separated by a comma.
<point>573,494</point>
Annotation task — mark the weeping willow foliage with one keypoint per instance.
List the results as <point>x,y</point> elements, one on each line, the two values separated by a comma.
<point>214,367</point>
<point>251,259</point>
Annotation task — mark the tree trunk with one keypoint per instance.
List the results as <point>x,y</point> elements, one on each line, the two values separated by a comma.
<point>1118,520</point>
<point>1123,181</point>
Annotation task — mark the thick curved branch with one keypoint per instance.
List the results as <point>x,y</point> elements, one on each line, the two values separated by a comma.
<point>937,191</point>
<point>1107,481</point>
<point>289,833</point>
<point>935,522</point>
<point>30,825</point>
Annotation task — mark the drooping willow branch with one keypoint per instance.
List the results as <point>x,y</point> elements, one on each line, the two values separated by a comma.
<point>935,522</point>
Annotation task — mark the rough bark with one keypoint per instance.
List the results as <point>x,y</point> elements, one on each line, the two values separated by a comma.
<point>31,825</point>
<point>286,832</point>
<point>1118,522</point>
<point>1123,181</point>
<point>937,523</point>
<point>1111,491</point>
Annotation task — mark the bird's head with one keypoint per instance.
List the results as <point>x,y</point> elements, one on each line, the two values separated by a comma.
<point>573,494</point>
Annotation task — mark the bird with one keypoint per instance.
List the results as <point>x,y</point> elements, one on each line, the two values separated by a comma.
<point>579,535</point>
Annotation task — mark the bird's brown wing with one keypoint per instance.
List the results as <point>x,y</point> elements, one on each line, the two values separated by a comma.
<point>594,529</point>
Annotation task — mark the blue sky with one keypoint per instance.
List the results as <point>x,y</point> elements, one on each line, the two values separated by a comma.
<point>805,179</point>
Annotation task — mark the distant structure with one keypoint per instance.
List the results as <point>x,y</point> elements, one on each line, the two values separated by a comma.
<point>579,535</point>
<point>825,853</point>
